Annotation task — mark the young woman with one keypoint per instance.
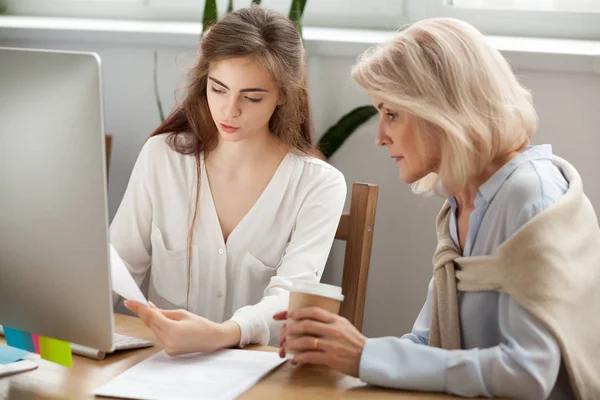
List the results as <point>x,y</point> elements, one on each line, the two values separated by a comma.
<point>227,203</point>
<point>512,308</point>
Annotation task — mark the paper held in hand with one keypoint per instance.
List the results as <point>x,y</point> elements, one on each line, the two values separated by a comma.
<point>122,281</point>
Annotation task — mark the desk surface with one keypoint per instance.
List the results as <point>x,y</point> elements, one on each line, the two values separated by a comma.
<point>52,381</point>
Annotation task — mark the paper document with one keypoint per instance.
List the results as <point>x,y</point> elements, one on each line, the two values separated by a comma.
<point>122,281</point>
<point>222,375</point>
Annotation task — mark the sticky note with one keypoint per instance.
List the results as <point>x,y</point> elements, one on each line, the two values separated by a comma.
<point>36,343</point>
<point>28,339</point>
<point>9,355</point>
<point>56,351</point>
<point>19,339</point>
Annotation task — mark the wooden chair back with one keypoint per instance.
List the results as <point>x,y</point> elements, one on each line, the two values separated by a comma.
<point>356,228</point>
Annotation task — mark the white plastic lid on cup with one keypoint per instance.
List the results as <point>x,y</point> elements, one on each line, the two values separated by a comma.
<point>318,289</point>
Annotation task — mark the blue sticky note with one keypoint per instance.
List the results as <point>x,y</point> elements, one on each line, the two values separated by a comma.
<point>28,339</point>
<point>19,339</point>
<point>10,355</point>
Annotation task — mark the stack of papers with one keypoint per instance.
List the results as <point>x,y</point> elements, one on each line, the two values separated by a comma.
<point>222,375</point>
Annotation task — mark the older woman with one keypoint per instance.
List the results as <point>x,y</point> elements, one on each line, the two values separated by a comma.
<point>512,308</point>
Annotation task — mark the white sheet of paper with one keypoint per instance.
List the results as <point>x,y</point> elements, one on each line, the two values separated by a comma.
<point>19,366</point>
<point>122,281</point>
<point>223,375</point>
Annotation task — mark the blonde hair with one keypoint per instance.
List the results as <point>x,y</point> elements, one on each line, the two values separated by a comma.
<point>463,93</point>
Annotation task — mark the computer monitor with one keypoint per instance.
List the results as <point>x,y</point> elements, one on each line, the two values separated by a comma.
<point>54,254</point>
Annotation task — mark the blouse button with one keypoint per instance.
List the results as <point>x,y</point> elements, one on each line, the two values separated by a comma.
<point>220,251</point>
<point>220,294</point>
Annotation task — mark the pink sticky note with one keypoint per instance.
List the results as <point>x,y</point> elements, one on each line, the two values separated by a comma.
<point>36,342</point>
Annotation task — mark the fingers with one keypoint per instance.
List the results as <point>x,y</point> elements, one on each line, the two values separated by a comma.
<point>280,316</point>
<point>313,357</point>
<point>306,343</point>
<point>309,327</point>
<point>133,306</point>
<point>282,333</point>
<point>176,315</point>
<point>152,317</point>
<point>315,313</point>
<point>282,342</point>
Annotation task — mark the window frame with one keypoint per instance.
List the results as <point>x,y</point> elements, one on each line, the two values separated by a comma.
<point>527,23</point>
<point>391,15</point>
<point>321,13</point>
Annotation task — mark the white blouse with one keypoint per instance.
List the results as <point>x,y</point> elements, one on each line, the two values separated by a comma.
<point>286,235</point>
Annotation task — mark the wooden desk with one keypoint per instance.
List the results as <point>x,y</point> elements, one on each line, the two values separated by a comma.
<point>52,381</point>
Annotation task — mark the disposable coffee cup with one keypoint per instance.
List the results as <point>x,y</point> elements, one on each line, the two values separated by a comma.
<point>315,294</point>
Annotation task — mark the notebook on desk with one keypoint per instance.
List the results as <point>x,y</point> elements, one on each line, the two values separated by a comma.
<point>222,375</point>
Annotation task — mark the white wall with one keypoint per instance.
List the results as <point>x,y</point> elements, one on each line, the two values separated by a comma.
<point>404,233</point>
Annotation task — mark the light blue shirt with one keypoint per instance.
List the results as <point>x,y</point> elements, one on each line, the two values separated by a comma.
<point>506,351</point>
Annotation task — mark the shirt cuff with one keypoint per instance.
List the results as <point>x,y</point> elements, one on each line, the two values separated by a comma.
<point>400,363</point>
<point>251,327</point>
<point>245,329</point>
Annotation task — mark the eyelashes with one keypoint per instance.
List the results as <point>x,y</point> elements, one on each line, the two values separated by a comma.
<point>391,116</point>
<point>250,99</point>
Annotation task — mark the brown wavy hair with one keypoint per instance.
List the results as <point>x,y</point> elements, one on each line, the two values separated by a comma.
<point>272,40</point>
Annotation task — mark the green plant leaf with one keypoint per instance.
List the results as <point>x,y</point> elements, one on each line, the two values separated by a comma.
<point>337,134</point>
<point>210,14</point>
<point>257,2</point>
<point>296,13</point>
<point>230,6</point>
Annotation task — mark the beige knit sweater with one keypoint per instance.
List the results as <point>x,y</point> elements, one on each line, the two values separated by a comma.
<point>551,267</point>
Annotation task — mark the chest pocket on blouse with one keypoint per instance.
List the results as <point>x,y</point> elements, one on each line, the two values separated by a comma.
<point>168,273</point>
<point>254,279</point>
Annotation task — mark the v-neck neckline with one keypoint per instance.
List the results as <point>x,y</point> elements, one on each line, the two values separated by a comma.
<point>204,180</point>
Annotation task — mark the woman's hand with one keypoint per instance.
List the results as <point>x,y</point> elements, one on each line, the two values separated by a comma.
<point>281,316</point>
<point>317,336</point>
<point>181,332</point>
